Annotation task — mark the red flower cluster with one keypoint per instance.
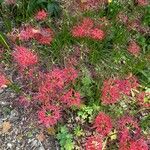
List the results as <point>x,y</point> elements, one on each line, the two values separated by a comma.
<point>142,2</point>
<point>103,124</point>
<point>114,88</point>
<point>134,48</point>
<point>24,57</point>
<point>10,2</point>
<point>27,33</point>
<point>94,143</point>
<point>54,85</point>
<point>43,35</point>
<point>139,145</point>
<point>49,115</point>
<point>71,98</point>
<point>3,80</point>
<point>91,4</point>
<point>23,101</point>
<point>129,132</point>
<point>144,99</point>
<point>41,15</point>
<point>128,126</point>
<point>87,29</point>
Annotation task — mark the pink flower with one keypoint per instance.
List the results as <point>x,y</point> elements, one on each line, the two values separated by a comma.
<point>24,57</point>
<point>69,74</point>
<point>128,128</point>
<point>134,83</point>
<point>131,144</point>
<point>44,36</point>
<point>83,29</point>
<point>122,17</point>
<point>27,33</point>
<point>24,101</point>
<point>10,2</point>
<point>51,85</point>
<point>142,2</point>
<point>144,99</point>
<point>97,34</point>
<point>41,15</point>
<point>71,98</point>
<point>103,124</point>
<point>134,48</point>
<point>87,24</point>
<point>110,92</point>
<point>3,80</point>
<point>78,31</point>
<point>94,143</point>
<point>139,145</point>
<point>124,86</point>
<point>49,115</point>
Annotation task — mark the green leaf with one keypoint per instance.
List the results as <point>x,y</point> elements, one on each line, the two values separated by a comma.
<point>3,41</point>
<point>54,9</point>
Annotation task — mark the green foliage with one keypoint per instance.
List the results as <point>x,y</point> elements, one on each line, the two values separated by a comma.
<point>65,139</point>
<point>3,41</point>
<point>86,88</point>
<point>145,123</point>
<point>78,131</point>
<point>54,9</point>
<point>146,17</point>
<point>88,112</point>
<point>16,88</point>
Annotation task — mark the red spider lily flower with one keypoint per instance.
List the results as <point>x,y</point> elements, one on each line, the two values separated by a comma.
<point>139,145</point>
<point>94,143</point>
<point>83,29</point>
<point>144,99</point>
<point>41,15</point>
<point>122,17</point>
<point>52,84</point>
<point>142,2</point>
<point>49,115</point>
<point>23,101</point>
<point>134,48</point>
<point>55,77</point>
<point>97,34</point>
<point>103,124</point>
<point>124,141</point>
<point>70,74</point>
<point>91,4</point>
<point>110,92</point>
<point>86,29</point>
<point>78,31</point>
<point>27,33</point>
<point>3,80</point>
<point>44,36</point>
<point>133,81</point>
<point>87,24</point>
<point>124,86</point>
<point>24,57</point>
<point>71,98</point>
<point>10,2</point>
<point>129,127</point>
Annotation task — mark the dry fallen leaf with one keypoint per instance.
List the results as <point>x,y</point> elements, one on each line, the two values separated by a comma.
<point>50,131</point>
<point>40,137</point>
<point>5,127</point>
